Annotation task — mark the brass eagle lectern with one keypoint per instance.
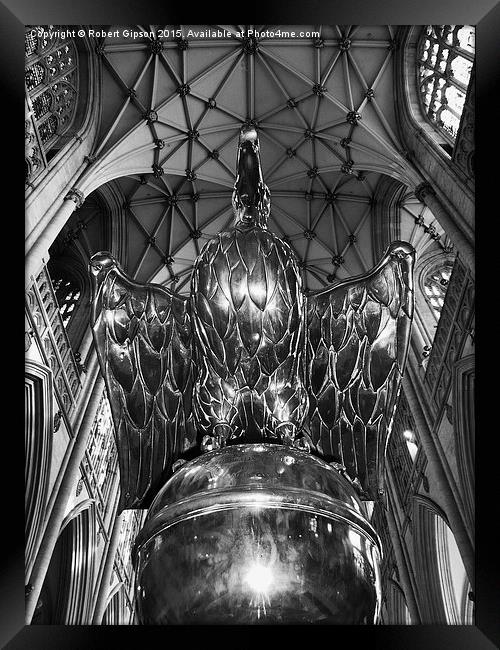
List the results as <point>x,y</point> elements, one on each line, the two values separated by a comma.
<point>281,403</point>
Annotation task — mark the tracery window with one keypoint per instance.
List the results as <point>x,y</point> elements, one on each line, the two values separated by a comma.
<point>445,60</point>
<point>131,523</point>
<point>102,454</point>
<point>67,294</point>
<point>401,463</point>
<point>402,448</point>
<point>68,270</point>
<point>51,78</point>
<point>435,285</point>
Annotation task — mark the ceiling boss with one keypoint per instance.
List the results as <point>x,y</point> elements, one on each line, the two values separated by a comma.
<point>282,400</point>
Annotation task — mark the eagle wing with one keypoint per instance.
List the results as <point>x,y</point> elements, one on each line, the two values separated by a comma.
<point>358,334</point>
<point>142,334</point>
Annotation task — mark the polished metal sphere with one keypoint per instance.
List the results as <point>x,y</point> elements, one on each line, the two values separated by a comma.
<point>257,533</point>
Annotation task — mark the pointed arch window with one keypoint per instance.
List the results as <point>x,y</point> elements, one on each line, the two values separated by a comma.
<point>68,294</point>
<point>51,77</point>
<point>435,285</point>
<point>444,66</point>
<point>67,268</point>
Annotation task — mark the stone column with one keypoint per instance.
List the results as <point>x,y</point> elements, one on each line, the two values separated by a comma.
<point>83,400</point>
<point>418,337</point>
<point>426,194</point>
<point>404,573</point>
<point>66,489</point>
<point>86,348</point>
<point>38,243</point>
<point>100,606</point>
<point>449,502</point>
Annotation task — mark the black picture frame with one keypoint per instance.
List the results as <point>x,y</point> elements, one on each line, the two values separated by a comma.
<point>485,14</point>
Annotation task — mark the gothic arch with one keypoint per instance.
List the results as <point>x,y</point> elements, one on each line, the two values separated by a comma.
<point>427,570</point>
<point>49,91</point>
<point>70,158</point>
<point>65,598</point>
<point>97,225</point>
<point>81,525</point>
<point>386,223</point>
<point>69,275</point>
<point>424,142</point>
<point>427,317</point>
<point>398,214</point>
<point>38,450</point>
<point>112,200</point>
<point>438,565</point>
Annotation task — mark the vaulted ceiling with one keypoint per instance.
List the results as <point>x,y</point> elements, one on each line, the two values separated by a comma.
<point>324,106</point>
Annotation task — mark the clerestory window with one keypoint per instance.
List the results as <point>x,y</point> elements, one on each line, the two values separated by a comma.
<point>445,59</point>
<point>68,294</point>
<point>51,78</point>
<point>435,285</point>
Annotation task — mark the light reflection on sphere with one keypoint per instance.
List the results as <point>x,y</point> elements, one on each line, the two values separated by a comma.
<point>257,534</point>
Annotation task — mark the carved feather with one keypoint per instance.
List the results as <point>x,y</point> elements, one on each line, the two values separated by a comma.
<point>142,334</point>
<point>357,344</point>
<point>247,314</point>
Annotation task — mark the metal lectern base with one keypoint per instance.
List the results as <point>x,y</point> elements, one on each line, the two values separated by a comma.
<point>253,534</point>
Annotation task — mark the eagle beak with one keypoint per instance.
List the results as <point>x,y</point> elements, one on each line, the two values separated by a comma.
<point>249,173</point>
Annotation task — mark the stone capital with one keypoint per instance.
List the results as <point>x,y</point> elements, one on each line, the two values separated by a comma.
<point>423,190</point>
<point>76,196</point>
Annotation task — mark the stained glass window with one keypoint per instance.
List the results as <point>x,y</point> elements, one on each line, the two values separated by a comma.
<point>445,60</point>
<point>51,83</point>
